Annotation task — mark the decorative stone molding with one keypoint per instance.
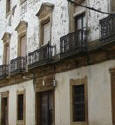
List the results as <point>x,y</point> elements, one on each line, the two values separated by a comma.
<point>22,27</point>
<point>46,9</point>
<point>6,37</point>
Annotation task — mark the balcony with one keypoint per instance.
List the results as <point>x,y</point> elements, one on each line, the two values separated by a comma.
<point>17,65</point>
<point>3,71</point>
<point>73,43</point>
<point>41,56</point>
<point>108,28</point>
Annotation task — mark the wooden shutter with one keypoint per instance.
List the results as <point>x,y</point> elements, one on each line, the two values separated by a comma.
<point>23,46</point>
<point>46,33</point>
<point>113,95</point>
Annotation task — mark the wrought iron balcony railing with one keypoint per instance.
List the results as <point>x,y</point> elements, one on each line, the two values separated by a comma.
<point>17,65</point>
<point>41,56</point>
<point>108,28</point>
<point>3,71</point>
<point>73,43</point>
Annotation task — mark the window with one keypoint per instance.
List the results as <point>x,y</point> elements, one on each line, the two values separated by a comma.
<point>4,108</point>
<point>8,6</point>
<point>80,22</point>
<point>6,53</point>
<point>22,38</point>
<point>20,107</point>
<point>79,105</point>
<point>23,46</point>
<point>45,28</point>
<point>113,94</point>
<point>45,18</point>
<point>80,27</point>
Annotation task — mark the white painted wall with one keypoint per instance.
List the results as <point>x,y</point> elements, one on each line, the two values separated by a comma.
<point>99,94</point>
<point>60,27</point>
<point>30,101</point>
<point>27,12</point>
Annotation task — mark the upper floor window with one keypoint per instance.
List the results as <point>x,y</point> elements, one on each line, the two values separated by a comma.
<point>22,38</point>
<point>8,6</point>
<point>23,46</point>
<point>45,17</point>
<point>46,30</point>
<point>80,22</point>
<point>6,52</point>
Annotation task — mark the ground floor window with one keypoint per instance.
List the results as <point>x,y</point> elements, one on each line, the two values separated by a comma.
<point>113,94</point>
<point>20,111</point>
<point>79,105</point>
<point>21,107</point>
<point>4,108</point>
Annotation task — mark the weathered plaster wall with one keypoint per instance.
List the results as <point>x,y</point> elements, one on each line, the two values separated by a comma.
<point>92,17</point>
<point>27,12</point>
<point>60,27</point>
<point>99,94</point>
<point>30,101</point>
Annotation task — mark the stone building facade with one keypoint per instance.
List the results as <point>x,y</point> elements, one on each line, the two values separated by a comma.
<point>57,63</point>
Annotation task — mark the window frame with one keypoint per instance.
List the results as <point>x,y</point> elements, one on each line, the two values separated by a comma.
<point>19,43</point>
<point>112,77</point>
<point>5,95</point>
<point>6,42</point>
<point>21,31</point>
<point>5,56</point>
<point>81,17</point>
<point>42,23</point>
<point>22,122</point>
<point>74,82</point>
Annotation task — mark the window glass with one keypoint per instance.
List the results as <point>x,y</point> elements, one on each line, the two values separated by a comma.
<point>20,111</point>
<point>78,103</point>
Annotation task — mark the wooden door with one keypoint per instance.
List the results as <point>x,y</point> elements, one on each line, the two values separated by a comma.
<point>4,113</point>
<point>45,108</point>
<point>23,46</point>
<point>113,96</point>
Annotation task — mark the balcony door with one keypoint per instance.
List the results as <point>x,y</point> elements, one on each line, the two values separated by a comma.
<point>23,46</point>
<point>45,108</point>
<point>46,32</point>
<point>4,113</point>
<point>80,25</point>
